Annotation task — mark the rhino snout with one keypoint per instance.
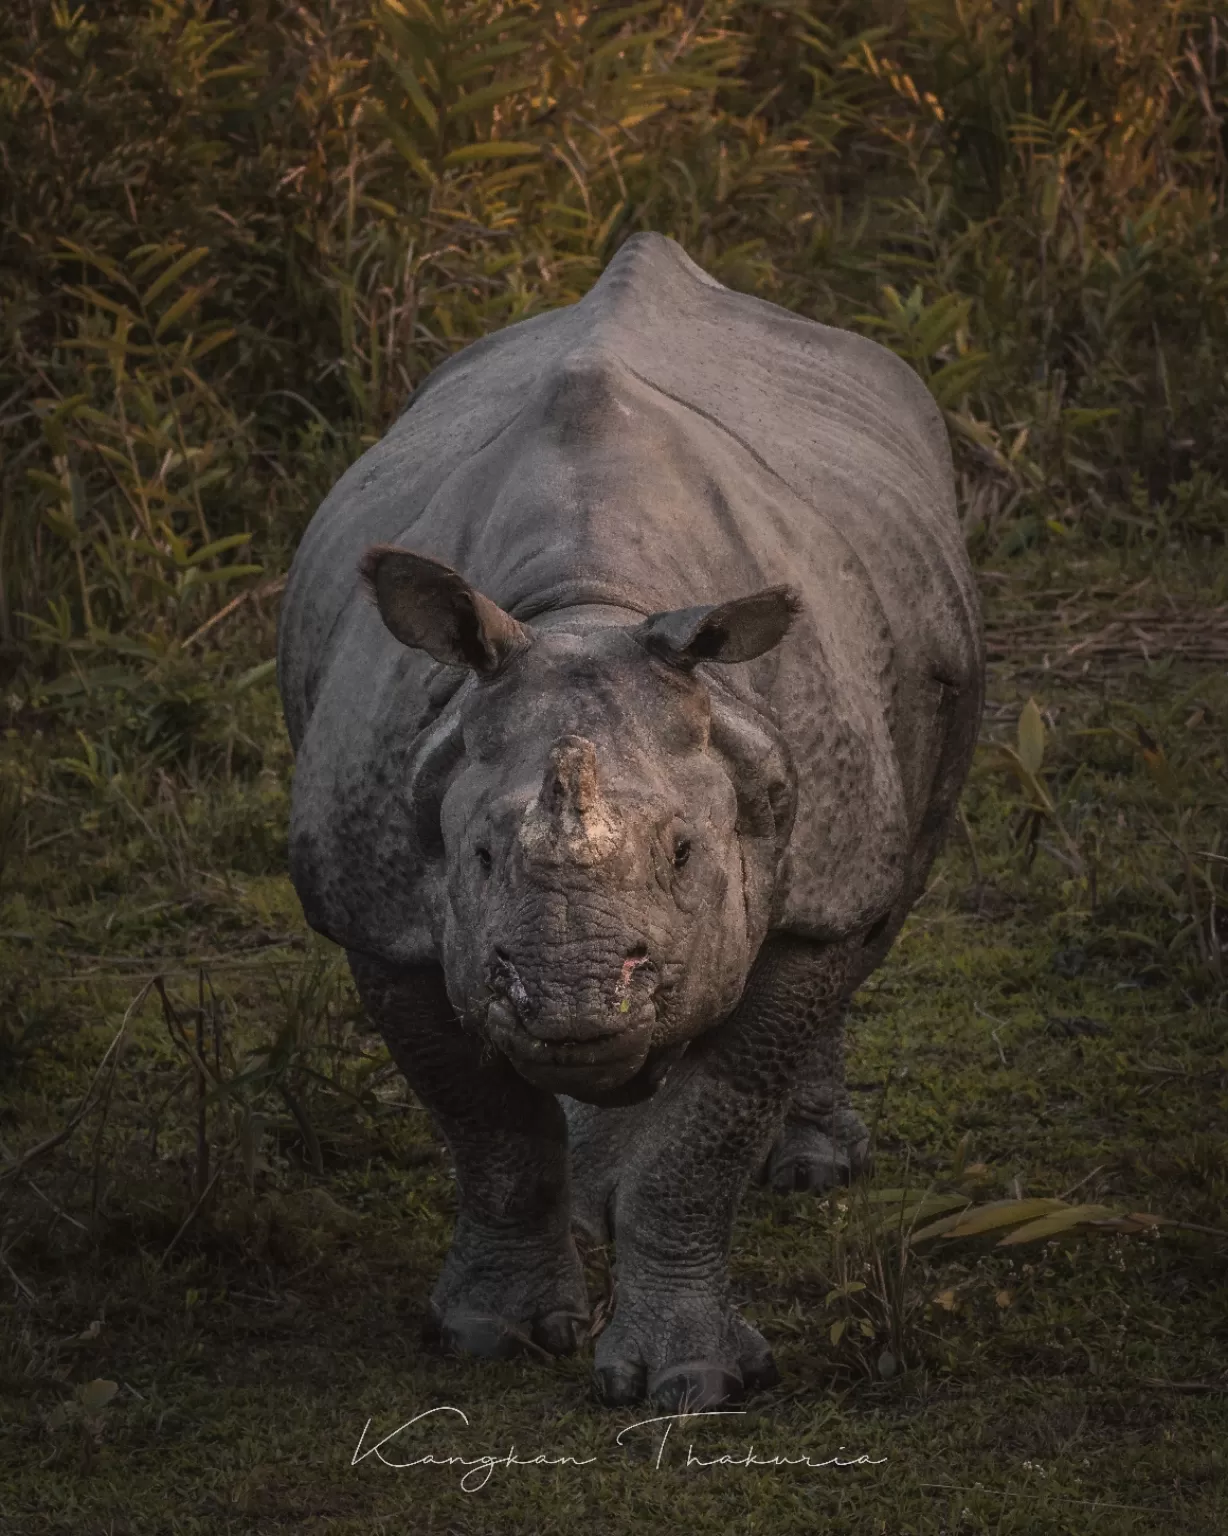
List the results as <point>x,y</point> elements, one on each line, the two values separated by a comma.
<point>563,1016</point>
<point>592,1040</point>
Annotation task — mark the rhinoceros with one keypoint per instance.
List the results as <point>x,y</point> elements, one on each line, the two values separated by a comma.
<point>632,680</point>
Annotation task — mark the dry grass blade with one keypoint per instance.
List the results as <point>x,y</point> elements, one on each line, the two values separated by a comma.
<point>107,1062</point>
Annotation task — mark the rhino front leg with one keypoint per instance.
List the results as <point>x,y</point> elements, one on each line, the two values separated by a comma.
<point>599,1140</point>
<point>675,1334</point>
<point>824,1141</point>
<point>513,1271</point>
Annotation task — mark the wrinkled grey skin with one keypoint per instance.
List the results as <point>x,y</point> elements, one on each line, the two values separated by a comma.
<point>618,769</point>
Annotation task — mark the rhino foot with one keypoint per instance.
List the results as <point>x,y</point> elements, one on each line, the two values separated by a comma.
<point>685,1355</point>
<point>500,1338</point>
<point>497,1298</point>
<point>817,1158</point>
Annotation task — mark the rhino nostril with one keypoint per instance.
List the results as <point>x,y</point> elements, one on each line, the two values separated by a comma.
<point>637,959</point>
<point>505,978</point>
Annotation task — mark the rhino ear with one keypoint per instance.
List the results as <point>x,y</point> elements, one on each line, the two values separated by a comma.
<point>428,605</point>
<point>739,630</point>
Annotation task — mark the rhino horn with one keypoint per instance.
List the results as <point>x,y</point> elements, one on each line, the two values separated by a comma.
<point>570,819</point>
<point>569,789</point>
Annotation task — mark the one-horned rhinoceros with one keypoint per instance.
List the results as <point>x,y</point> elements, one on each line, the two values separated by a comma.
<point>619,765</point>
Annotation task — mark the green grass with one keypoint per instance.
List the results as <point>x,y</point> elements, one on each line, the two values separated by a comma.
<point>1075,1385</point>
<point>234,239</point>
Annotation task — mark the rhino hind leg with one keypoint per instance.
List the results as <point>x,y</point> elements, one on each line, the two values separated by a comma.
<point>512,1279</point>
<point>824,1143</point>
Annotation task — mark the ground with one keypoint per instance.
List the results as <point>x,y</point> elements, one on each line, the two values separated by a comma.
<point>240,1228</point>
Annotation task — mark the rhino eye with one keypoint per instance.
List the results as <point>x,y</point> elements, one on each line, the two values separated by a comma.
<point>682,852</point>
<point>483,858</point>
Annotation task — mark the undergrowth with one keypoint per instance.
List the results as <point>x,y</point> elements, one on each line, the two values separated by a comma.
<point>235,239</point>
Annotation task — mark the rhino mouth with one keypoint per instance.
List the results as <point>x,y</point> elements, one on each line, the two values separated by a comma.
<point>582,1056</point>
<point>598,1062</point>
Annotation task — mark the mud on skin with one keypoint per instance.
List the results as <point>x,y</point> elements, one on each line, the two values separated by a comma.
<point>614,823</point>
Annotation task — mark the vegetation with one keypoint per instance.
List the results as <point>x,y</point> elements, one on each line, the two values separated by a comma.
<point>233,238</point>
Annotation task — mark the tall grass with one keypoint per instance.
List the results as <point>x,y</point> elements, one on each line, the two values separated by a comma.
<point>236,236</point>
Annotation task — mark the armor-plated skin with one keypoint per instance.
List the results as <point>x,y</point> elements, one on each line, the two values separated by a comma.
<point>619,773</point>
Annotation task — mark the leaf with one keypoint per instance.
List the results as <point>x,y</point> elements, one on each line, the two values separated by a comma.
<point>599,22</point>
<point>937,1228</point>
<point>957,378</point>
<point>490,149</point>
<point>849,1288</point>
<point>95,1395</point>
<point>104,264</point>
<point>620,45</point>
<point>101,300</point>
<point>1050,1226</point>
<point>487,60</point>
<point>175,271</point>
<point>1003,1213</point>
<point>922,1210</point>
<point>209,342</point>
<point>1157,764</point>
<point>1075,418</point>
<point>488,96</point>
<point>196,577</point>
<point>186,301</point>
<point>50,483</point>
<point>150,256</point>
<point>1031,735</point>
<point>406,147</point>
<point>218,547</point>
<point>412,87</point>
<point>939,322</point>
<point>946,1300</point>
<point>836,1331</point>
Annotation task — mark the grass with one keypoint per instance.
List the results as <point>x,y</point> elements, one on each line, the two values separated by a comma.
<point>235,238</point>
<point>1019,1042</point>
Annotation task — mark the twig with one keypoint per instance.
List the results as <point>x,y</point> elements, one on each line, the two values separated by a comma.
<point>192,1215</point>
<point>1066,1193</point>
<point>176,1031</point>
<point>971,841</point>
<point>253,594</point>
<point>96,1178</point>
<point>1193,1226</point>
<point>1001,1023</point>
<point>79,1113</point>
<point>202,1089</point>
<point>21,1284</point>
<point>47,1200</point>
